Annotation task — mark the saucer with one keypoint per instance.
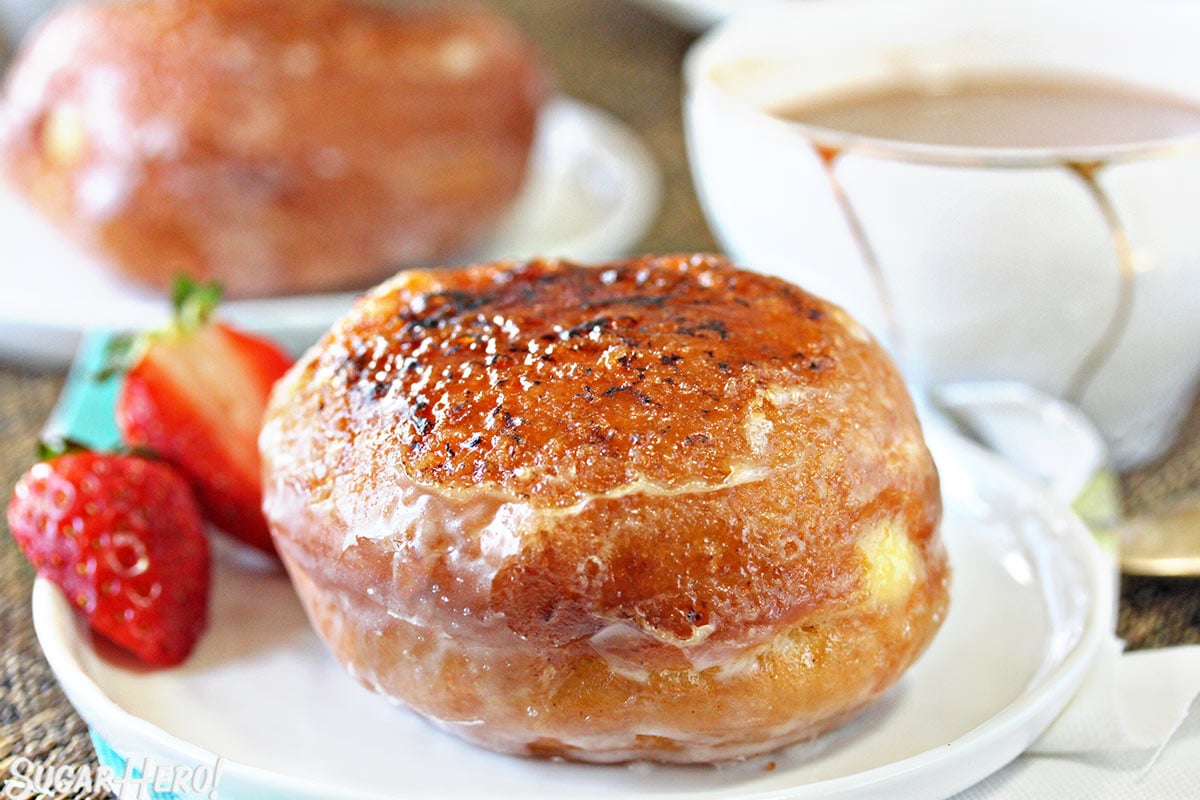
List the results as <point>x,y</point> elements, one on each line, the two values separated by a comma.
<point>262,706</point>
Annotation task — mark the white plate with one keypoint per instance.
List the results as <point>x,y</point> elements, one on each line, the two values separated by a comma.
<point>1032,599</point>
<point>592,192</point>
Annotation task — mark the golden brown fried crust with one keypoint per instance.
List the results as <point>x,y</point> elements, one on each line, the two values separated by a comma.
<point>275,145</point>
<point>638,472</point>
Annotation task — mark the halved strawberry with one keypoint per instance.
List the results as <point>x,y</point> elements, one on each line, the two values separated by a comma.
<point>122,536</point>
<point>194,395</point>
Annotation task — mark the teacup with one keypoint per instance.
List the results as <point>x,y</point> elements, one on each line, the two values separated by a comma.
<point>1072,267</point>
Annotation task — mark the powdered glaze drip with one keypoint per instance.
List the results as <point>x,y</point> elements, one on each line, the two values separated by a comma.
<point>829,157</point>
<point>1114,330</point>
<point>1088,173</point>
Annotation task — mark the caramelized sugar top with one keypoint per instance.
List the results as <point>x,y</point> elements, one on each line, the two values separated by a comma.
<point>550,380</point>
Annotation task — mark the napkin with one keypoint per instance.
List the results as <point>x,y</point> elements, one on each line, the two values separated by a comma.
<point>1132,731</point>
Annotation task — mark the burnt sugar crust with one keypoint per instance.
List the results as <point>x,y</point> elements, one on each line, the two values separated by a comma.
<point>662,509</point>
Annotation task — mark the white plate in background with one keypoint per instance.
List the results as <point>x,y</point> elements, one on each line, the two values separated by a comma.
<point>592,193</point>
<point>700,14</point>
<point>1031,600</point>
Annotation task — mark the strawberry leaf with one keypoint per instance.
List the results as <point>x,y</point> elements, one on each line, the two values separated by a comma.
<point>121,352</point>
<point>193,302</point>
<point>48,449</point>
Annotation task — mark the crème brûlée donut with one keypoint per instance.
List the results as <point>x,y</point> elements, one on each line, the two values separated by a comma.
<point>664,509</point>
<point>276,146</point>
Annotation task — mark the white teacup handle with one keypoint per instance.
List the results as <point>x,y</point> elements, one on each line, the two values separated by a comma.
<point>1047,438</point>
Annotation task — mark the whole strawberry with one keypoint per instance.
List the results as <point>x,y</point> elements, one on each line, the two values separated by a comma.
<point>194,394</point>
<point>122,536</point>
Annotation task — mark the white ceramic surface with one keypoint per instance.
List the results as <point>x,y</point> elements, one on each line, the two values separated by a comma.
<point>1048,439</point>
<point>992,263</point>
<point>1032,599</point>
<point>593,190</point>
<point>700,14</point>
<point>17,17</point>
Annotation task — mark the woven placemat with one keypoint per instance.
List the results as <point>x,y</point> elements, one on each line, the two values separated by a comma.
<point>1154,611</point>
<point>36,721</point>
<point>627,63</point>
